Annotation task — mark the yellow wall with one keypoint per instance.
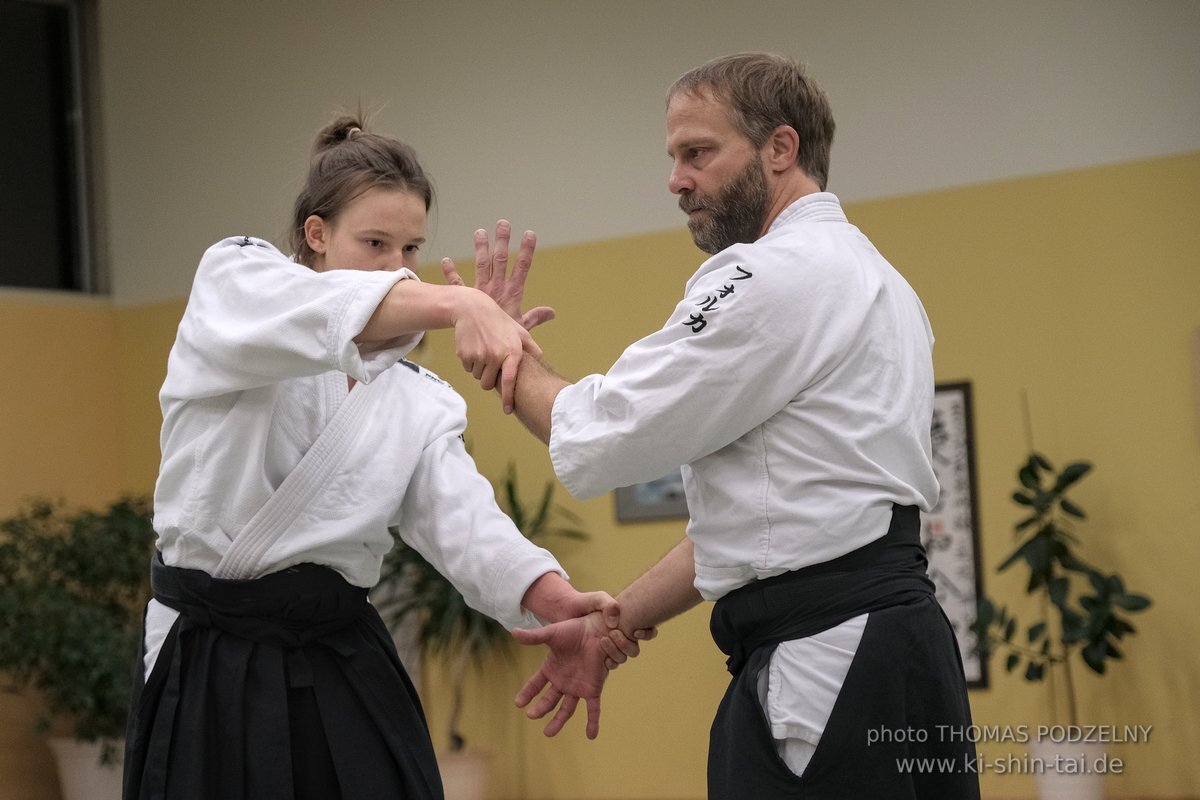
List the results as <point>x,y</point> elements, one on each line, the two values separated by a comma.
<point>1083,290</point>
<point>59,438</point>
<point>1079,288</point>
<point>145,334</point>
<point>60,400</point>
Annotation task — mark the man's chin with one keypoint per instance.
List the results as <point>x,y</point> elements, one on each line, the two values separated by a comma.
<point>704,243</point>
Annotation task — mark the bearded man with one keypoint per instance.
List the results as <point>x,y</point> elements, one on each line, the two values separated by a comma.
<point>794,384</point>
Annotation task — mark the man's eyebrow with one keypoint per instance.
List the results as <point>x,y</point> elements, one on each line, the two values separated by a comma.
<point>690,142</point>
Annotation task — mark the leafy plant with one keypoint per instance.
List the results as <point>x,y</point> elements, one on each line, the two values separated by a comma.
<point>410,588</point>
<point>73,585</point>
<point>1082,607</point>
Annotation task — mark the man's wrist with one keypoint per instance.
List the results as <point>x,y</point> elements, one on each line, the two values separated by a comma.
<point>548,597</point>
<point>537,388</point>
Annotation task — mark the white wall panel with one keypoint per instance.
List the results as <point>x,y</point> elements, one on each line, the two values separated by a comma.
<point>550,113</point>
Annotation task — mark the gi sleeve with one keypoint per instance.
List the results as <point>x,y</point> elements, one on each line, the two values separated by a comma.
<point>450,516</point>
<point>754,329</point>
<point>256,317</point>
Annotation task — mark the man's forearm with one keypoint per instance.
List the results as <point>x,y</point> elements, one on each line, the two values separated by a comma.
<point>666,590</point>
<point>537,386</point>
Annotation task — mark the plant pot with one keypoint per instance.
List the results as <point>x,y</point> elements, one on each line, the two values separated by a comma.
<point>81,776</point>
<point>1070,770</point>
<point>464,774</point>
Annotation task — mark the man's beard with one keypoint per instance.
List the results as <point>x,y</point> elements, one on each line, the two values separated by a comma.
<point>735,215</point>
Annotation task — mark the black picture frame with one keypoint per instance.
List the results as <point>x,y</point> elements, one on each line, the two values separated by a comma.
<point>950,531</point>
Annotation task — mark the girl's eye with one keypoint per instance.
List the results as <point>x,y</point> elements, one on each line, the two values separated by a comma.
<point>412,248</point>
<point>374,243</point>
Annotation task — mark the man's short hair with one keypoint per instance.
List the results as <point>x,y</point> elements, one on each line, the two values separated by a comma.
<point>764,91</point>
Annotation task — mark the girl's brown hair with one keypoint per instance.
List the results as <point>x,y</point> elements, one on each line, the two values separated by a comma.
<point>347,160</point>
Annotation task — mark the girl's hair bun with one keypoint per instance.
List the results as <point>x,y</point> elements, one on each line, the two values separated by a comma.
<point>342,129</point>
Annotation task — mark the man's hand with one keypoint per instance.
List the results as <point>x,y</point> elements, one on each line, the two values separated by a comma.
<point>574,669</point>
<point>492,277</point>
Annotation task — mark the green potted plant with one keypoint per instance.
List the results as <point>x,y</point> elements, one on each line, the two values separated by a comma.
<point>73,585</point>
<point>1081,609</point>
<point>412,592</point>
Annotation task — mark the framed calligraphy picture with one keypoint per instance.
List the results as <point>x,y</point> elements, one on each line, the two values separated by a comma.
<point>654,500</point>
<point>950,531</point>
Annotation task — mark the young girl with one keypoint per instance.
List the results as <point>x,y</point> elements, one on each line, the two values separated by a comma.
<point>294,434</point>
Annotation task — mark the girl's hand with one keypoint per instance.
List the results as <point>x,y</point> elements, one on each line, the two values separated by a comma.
<point>489,343</point>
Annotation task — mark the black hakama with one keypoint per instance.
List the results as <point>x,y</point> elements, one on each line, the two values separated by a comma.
<point>904,697</point>
<point>288,686</point>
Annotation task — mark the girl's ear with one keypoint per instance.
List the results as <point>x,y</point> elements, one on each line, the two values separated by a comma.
<point>316,234</point>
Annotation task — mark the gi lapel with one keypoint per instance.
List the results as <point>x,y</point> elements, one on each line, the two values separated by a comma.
<point>243,559</point>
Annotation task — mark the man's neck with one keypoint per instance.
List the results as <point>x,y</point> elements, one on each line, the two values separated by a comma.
<point>788,188</point>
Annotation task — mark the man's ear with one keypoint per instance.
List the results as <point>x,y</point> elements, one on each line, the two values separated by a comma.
<point>316,234</point>
<point>781,148</point>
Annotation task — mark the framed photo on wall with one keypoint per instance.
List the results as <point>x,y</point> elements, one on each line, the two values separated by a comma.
<point>950,531</point>
<point>654,500</point>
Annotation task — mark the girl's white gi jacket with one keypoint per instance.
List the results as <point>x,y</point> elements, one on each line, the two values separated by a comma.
<point>256,382</point>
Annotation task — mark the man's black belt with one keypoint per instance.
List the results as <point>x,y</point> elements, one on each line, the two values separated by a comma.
<point>887,572</point>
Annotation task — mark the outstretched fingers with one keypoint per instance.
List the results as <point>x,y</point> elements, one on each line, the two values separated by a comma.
<point>593,717</point>
<point>450,273</point>
<point>566,704</point>
<point>493,279</point>
<point>566,710</point>
<point>532,688</point>
<point>491,264</point>
<point>536,316</point>
<point>524,260</point>
<point>547,703</point>
<point>516,283</point>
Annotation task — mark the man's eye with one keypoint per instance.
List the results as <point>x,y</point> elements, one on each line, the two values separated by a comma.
<point>375,243</point>
<point>412,248</point>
